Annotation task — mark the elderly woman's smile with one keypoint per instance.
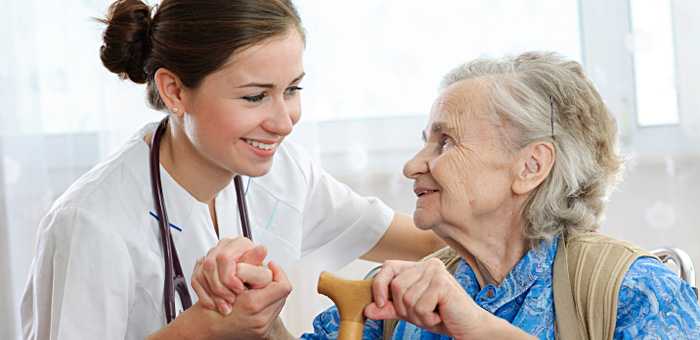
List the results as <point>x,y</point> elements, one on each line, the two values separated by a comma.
<point>462,176</point>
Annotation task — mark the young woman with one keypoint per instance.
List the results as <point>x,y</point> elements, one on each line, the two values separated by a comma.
<point>111,258</point>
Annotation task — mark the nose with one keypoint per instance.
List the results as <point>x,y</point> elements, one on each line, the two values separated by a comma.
<point>416,166</point>
<point>282,118</point>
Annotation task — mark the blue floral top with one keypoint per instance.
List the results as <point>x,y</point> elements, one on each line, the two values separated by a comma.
<point>654,303</point>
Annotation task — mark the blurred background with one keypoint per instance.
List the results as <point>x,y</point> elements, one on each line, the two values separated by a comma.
<point>373,67</point>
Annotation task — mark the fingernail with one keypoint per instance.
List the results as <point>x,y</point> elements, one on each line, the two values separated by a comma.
<point>225,308</point>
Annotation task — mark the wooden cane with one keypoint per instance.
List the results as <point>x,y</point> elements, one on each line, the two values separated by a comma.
<point>350,297</point>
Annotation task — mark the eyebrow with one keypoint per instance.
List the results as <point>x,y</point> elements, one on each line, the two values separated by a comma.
<point>270,86</point>
<point>438,127</point>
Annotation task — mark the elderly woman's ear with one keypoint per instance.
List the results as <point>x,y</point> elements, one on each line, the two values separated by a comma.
<point>533,164</point>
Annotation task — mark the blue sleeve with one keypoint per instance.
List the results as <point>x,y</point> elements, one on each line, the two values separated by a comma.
<point>327,323</point>
<point>654,303</point>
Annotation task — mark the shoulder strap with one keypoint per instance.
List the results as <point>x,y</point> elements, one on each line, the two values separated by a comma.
<point>450,258</point>
<point>567,324</point>
<point>596,266</point>
<point>389,327</point>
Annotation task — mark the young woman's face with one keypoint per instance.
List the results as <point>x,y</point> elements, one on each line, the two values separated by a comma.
<point>240,114</point>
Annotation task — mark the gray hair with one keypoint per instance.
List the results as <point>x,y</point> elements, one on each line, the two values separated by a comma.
<point>548,98</point>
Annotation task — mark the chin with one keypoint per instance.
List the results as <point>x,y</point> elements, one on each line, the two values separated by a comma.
<point>255,170</point>
<point>424,220</point>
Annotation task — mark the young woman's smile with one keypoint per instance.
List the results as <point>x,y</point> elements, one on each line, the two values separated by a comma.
<point>239,115</point>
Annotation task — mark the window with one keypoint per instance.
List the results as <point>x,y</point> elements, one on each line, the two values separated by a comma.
<point>642,56</point>
<point>654,62</point>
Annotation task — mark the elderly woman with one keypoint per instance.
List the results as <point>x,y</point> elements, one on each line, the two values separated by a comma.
<point>519,156</point>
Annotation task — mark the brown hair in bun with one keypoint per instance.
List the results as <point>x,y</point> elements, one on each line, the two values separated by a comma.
<point>126,39</point>
<point>191,38</point>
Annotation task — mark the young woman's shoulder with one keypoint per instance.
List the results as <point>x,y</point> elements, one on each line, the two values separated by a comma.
<point>111,190</point>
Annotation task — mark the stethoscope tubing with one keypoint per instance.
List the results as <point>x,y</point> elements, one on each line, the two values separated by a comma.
<point>174,278</point>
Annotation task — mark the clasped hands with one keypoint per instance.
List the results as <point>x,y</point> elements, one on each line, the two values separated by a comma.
<point>232,279</point>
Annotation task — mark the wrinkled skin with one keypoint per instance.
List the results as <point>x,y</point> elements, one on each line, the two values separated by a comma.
<point>467,159</point>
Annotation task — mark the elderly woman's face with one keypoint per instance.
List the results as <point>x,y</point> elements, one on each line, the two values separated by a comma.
<point>463,174</point>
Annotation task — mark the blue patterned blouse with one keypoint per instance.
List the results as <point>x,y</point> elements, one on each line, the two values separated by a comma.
<point>654,302</point>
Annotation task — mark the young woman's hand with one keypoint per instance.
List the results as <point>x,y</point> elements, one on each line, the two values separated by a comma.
<point>254,315</point>
<point>254,312</point>
<point>229,269</point>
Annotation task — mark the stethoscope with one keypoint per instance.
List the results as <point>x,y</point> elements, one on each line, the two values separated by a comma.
<point>174,279</point>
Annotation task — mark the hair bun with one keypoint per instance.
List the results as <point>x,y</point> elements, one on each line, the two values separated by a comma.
<point>126,40</point>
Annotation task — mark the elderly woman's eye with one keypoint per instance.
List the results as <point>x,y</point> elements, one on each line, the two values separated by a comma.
<point>445,142</point>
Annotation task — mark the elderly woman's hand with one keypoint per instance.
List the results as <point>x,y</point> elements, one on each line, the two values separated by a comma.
<point>227,270</point>
<point>425,294</point>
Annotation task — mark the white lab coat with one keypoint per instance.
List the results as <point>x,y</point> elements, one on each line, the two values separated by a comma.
<point>98,269</point>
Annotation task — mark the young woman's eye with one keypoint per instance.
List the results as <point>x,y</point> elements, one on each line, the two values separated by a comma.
<point>256,98</point>
<point>292,90</point>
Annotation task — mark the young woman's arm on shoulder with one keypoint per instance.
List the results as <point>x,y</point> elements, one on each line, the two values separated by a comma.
<point>404,241</point>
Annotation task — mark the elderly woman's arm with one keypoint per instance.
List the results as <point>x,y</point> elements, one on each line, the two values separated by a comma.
<point>427,295</point>
<point>654,301</point>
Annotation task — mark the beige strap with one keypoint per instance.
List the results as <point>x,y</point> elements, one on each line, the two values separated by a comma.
<point>567,322</point>
<point>389,327</point>
<point>597,266</point>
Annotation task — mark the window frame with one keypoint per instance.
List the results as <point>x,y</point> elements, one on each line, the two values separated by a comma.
<point>609,62</point>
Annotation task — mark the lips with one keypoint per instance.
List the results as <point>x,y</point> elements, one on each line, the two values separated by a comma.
<point>261,144</point>
<point>422,191</point>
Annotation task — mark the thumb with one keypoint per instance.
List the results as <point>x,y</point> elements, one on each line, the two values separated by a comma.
<point>254,256</point>
<point>387,312</point>
<point>278,275</point>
